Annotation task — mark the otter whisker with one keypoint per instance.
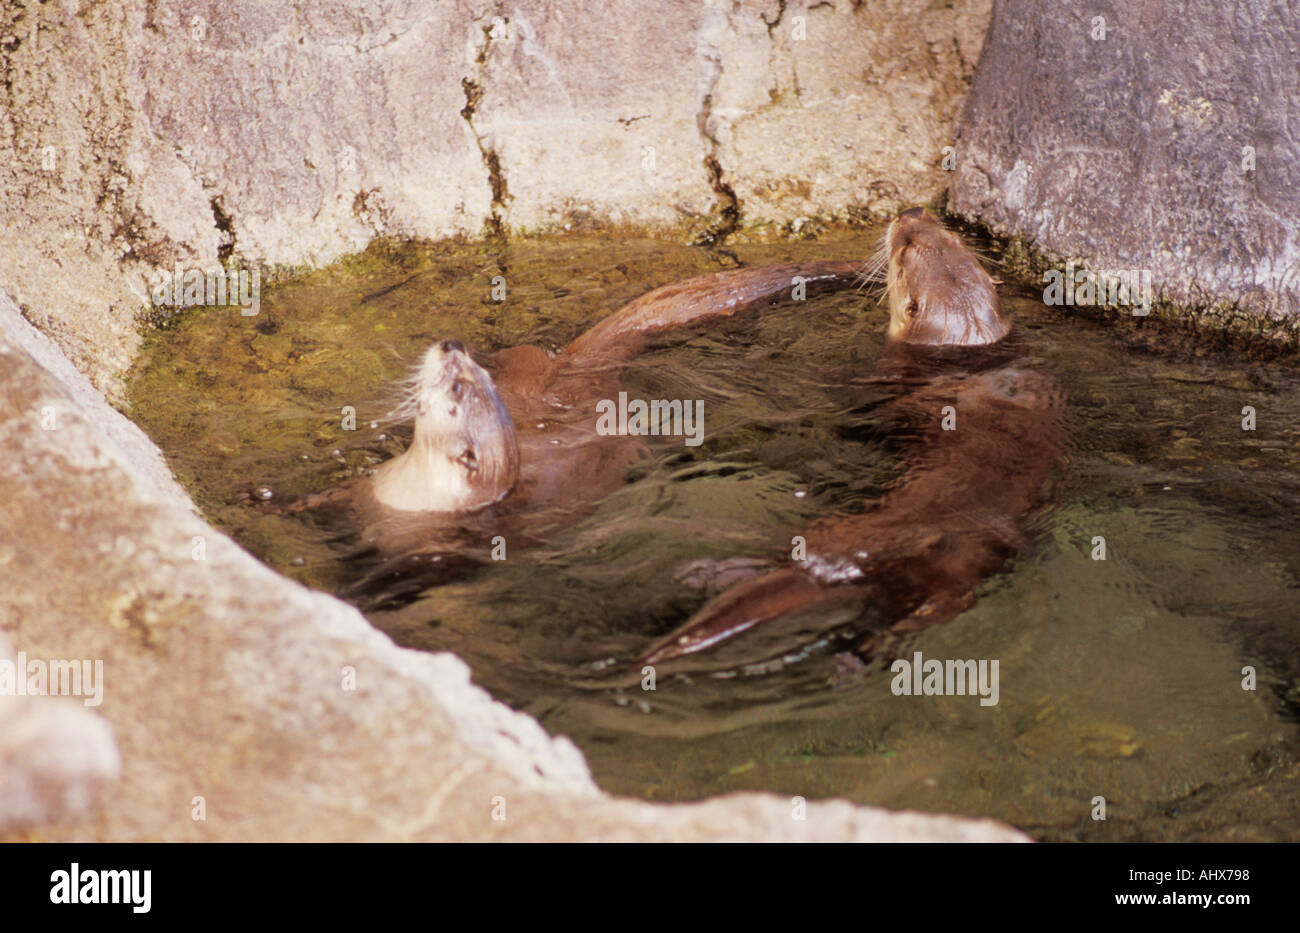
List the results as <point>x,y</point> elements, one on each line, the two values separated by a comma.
<point>873,270</point>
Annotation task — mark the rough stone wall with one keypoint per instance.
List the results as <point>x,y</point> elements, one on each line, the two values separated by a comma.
<point>1162,137</point>
<point>139,135</point>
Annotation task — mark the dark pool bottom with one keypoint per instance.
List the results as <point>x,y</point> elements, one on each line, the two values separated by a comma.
<point>1125,680</point>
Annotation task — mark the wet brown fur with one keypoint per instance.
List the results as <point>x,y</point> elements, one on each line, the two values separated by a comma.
<point>913,558</point>
<point>564,465</point>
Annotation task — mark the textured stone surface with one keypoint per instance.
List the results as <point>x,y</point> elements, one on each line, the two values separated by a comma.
<point>226,682</point>
<point>1134,151</point>
<point>138,135</point>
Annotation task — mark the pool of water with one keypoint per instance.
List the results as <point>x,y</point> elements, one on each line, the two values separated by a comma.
<point>1119,679</point>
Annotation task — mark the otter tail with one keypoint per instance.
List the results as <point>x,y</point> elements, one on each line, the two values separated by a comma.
<point>741,608</point>
<point>719,294</point>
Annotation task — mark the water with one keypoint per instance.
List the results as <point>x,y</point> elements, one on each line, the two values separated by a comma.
<point>1120,679</point>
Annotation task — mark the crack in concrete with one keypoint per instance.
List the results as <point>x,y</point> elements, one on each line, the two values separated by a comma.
<point>780,15</point>
<point>225,226</point>
<point>727,213</point>
<point>473,87</point>
<point>725,217</point>
<point>774,53</point>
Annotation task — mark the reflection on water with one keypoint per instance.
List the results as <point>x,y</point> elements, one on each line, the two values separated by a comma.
<point>1119,678</point>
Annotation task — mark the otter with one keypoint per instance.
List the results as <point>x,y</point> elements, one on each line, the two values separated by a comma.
<point>510,446</point>
<point>465,453</point>
<point>985,437</point>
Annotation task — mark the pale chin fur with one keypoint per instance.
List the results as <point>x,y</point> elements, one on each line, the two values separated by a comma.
<point>427,477</point>
<point>424,479</point>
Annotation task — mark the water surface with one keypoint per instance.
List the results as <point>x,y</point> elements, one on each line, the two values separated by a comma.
<point>1119,678</point>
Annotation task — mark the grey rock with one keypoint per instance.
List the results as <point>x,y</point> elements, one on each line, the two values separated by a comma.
<point>1168,145</point>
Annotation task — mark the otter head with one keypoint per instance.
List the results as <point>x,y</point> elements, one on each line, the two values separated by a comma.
<point>464,454</point>
<point>938,291</point>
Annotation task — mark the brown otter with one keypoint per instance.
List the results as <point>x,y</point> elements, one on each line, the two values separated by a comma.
<point>939,294</point>
<point>512,448</point>
<point>985,437</point>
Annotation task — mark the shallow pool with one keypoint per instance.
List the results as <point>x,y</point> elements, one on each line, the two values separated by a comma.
<point>1119,679</point>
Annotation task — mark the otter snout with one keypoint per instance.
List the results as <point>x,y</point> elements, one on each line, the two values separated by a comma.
<point>939,294</point>
<point>910,225</point>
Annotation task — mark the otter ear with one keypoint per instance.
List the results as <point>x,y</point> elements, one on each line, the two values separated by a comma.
<point>468,459</point>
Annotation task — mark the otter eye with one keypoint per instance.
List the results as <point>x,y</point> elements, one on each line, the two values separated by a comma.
<point>912,308</point>
<point>458,389</point>
<point>468,459</point>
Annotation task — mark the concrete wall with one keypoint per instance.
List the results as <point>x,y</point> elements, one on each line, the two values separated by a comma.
<point>136,135</point>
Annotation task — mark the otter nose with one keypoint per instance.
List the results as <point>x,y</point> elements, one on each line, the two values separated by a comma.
<point>449,345</point>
